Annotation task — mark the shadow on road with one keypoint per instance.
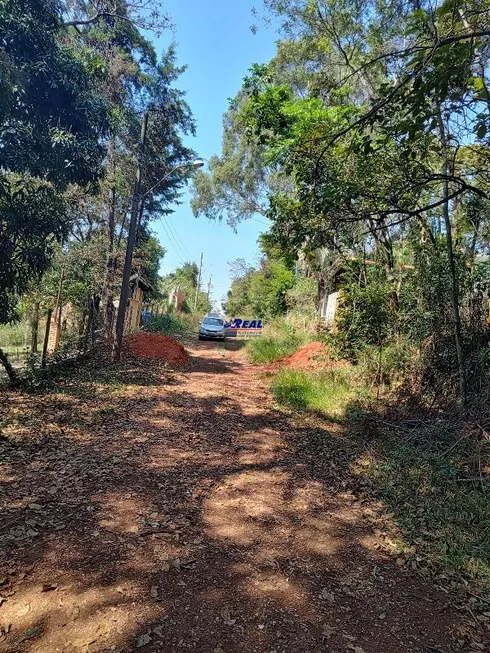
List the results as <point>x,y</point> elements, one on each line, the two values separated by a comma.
<point>195,517</point>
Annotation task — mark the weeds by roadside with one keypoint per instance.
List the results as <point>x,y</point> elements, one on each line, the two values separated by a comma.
<point>327,392</point>
<point>439,499</point>
<point>432,473</point>
<point>169,325</point>
<point>277,342</point>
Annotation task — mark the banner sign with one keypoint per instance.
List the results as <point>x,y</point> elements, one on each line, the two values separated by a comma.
<point>145,316</point>
<point>238,328</point>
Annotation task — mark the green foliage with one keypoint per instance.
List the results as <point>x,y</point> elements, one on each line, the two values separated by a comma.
<point>301,298</point>
<point>147,258</point>
<point>366,312</point>
<point>262,292</point>
<point>389,364</point>
<point>12,336</point>
<point>277,342</point>
<point>185,278</point>
<point>448,521</point>
<point>52,117</point>
<point>232,188</point>
<point>326,392</point>
<point>32,220</point>
<point>169,325</point>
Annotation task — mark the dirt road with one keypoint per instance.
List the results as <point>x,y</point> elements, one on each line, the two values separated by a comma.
<point>189,515</point>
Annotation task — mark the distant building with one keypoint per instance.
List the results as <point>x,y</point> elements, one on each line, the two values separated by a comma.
<point>176,298</point>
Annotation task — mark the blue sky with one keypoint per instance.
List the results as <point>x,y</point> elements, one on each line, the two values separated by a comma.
<point>214,40</point>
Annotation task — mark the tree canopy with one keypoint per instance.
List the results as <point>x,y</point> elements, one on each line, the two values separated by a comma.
<point>369,133</point>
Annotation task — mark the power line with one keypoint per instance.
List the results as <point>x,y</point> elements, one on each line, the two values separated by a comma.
<point>178,240</point>
<point>170,241</point>
<point>260,221</point>
<point>174,240</point>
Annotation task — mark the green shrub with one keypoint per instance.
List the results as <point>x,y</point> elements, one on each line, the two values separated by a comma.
<point>276,343</point>
<point>168,324</point>
<point>387,365</point>
<point>12,336</point>
<point>327,392</point>
<point>448,520</point>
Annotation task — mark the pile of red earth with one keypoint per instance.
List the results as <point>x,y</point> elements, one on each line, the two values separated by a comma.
<point>313,356</point>
<point>157,346</point>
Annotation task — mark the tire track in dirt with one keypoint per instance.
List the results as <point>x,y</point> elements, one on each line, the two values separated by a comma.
<point>200,518</point>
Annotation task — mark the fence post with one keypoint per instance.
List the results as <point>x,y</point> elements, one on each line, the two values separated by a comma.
<point>46,337</point>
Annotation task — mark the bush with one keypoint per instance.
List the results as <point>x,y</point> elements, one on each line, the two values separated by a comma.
<point>169,324</point>
<point>387,365</point>
<point>276,343</point>
<point>12,336</point>
<point>327,392</point>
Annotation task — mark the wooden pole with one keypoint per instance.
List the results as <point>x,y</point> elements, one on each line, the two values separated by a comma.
<point>46,336</point>
<point>198,283</point>
<point>58,307</point>
<point>123,299</point>
<point>35,327</point>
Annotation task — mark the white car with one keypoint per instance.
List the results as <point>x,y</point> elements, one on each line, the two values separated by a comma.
<point>212,327</point>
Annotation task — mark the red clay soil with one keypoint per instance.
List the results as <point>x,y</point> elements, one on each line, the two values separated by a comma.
<point>185,514</point>
<point>313,356</point>
<point>154,345</point>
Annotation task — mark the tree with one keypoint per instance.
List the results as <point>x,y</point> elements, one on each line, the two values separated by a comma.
<point>185,279</point>
<point>377,116</point>
<point>52,118</point>
<point>52,121</point>
<point>262,291</point>
<point>135,80</point>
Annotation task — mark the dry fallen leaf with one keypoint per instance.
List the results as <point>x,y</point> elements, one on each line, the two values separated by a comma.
<point>328,631</point>
<point>226,616</point>
<point>218,649</point>
<point>143,640</point>
<point>48,587</point>
<point>5,629</point>
<point>328,596</point>
<point>154,591</point>
<point>103,629</point>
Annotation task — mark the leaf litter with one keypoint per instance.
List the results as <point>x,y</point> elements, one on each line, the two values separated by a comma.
<point>241,521</point>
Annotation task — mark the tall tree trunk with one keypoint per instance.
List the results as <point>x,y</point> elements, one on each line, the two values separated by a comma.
<point>35,328</point>
<point>12,374</point>
<point>46,337</point>
<point>110,273</point>
<point>90,324</point>
<point>458,340</point>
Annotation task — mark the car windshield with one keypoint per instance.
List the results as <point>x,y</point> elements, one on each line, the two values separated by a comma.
<point>214,321</point>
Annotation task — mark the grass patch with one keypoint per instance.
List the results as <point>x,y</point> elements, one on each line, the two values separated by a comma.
<point>439,509</point>
<point>424,471</point>
<point>276,343</point>
<point>328,392</point>
<point>13,336</point>
<point>170,325</point>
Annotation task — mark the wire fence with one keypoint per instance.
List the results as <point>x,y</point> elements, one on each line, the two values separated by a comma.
<point>16,343</point>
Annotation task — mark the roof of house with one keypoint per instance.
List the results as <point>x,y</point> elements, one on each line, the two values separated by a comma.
<point>142,283</point>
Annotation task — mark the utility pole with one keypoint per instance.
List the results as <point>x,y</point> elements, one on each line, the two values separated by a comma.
<point>209,286</point>
<point>198,283</point>
<point>135,206</point>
